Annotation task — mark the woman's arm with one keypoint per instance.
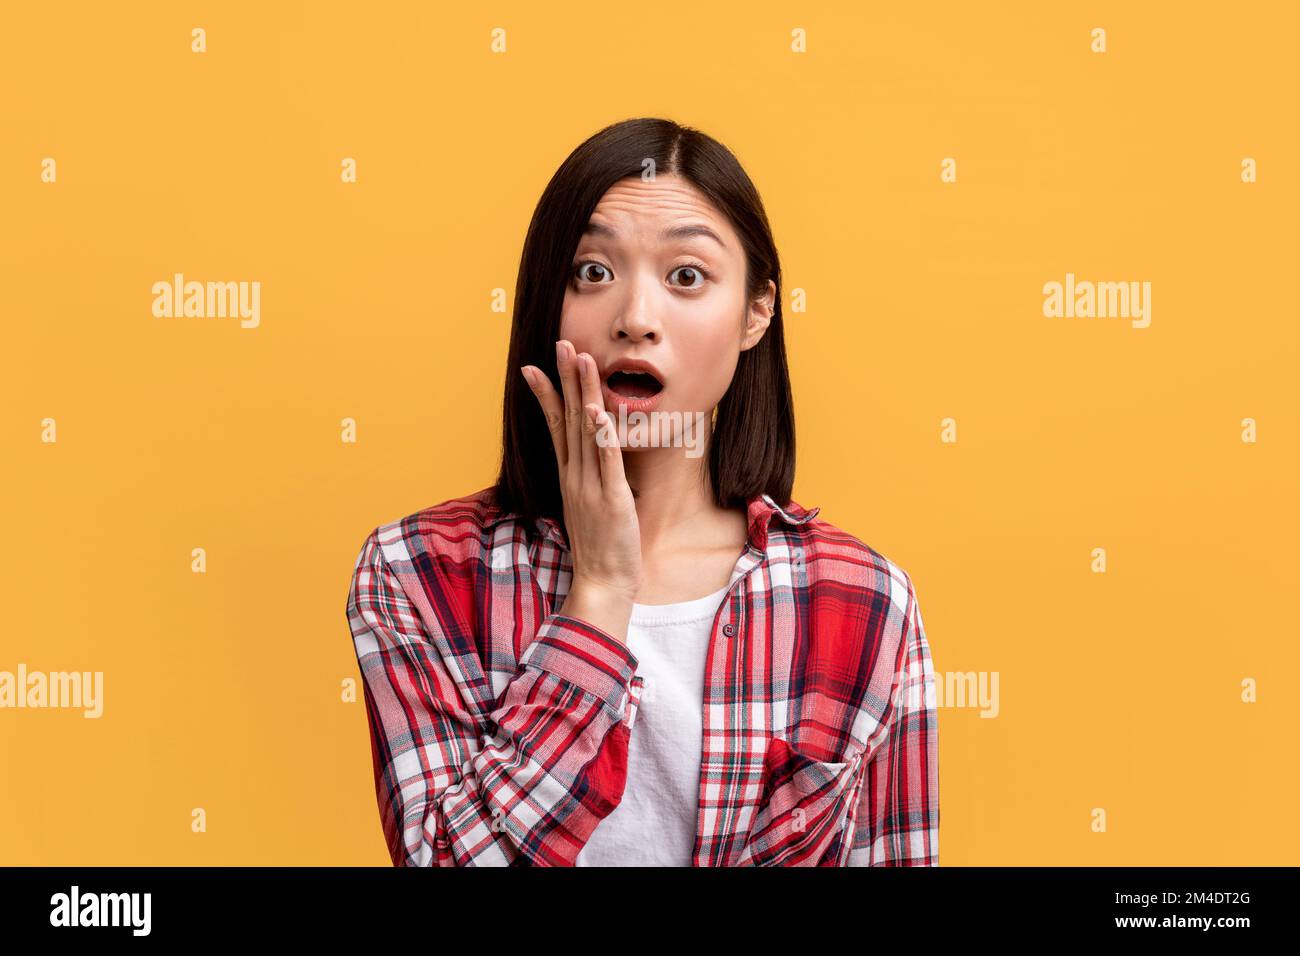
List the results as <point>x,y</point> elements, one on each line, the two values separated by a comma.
<point>898,811</point>
<point>527,789</point>
<point>895,789</point>
<point>879,807</point>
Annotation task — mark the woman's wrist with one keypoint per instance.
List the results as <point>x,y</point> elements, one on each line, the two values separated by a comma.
<point>600,605</point>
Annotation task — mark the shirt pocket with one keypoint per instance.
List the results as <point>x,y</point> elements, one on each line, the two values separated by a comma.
<point>803,808</point>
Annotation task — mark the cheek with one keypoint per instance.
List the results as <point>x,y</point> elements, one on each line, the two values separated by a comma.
<point>709,352</point>
<point>577,324</point>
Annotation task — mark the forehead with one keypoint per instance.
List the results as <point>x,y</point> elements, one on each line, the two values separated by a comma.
<point>648,208</point>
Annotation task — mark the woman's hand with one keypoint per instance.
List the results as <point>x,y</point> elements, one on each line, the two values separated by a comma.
<point>599,511</point>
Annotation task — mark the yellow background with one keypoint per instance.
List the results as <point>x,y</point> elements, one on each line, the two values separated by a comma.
<point>222,690</point>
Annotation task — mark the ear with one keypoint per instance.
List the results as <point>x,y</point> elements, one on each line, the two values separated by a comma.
<point>758,317</point>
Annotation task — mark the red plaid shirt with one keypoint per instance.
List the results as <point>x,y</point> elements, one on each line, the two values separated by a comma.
<point>499,728</point>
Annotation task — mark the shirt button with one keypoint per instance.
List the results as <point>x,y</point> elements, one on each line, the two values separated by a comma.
<point>729,630</point>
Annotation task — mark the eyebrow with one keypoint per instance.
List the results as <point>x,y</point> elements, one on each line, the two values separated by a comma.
<point>672,232</point>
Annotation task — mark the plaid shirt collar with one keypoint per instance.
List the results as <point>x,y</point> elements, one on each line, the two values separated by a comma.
<point>760,509</point>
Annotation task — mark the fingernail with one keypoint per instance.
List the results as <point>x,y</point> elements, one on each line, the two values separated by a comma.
<point>559,350</point>
<point>528,376</point>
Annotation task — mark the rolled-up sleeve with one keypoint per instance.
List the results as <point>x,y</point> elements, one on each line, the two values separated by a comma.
<point>525,786</point>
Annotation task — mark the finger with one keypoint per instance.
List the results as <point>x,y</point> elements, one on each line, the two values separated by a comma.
<point>566,365</point>
<point>590,434</point>
<point>552,408</point>
<point>590,397</point>
<point>613,480</point>
<point>590,450</point>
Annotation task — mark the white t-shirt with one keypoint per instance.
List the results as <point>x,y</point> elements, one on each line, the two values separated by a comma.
<point>654,823</point>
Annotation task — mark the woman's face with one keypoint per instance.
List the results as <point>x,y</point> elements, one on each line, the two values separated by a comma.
<point>659,276</point>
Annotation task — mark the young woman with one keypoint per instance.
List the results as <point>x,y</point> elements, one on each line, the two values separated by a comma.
<point>635,648</point>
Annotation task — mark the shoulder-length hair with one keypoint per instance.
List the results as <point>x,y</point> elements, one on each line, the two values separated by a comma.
<point>752,446</point>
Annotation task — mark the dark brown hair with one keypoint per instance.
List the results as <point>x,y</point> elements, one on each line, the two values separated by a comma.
<point>752,446</point>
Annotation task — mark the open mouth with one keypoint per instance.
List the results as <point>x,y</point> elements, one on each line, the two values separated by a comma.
<point>634,384</point>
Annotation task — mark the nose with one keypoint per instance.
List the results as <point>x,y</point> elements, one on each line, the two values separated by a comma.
<point>637,319</point>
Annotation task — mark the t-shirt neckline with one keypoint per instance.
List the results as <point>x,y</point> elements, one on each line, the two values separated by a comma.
<point>682,612</point>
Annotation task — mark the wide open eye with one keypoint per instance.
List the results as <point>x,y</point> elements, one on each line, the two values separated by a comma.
<point>692,273</point>
<point>589,276</point>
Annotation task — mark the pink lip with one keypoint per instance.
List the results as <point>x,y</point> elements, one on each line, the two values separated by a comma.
<point>632,365</point>
<point>614,401</point>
